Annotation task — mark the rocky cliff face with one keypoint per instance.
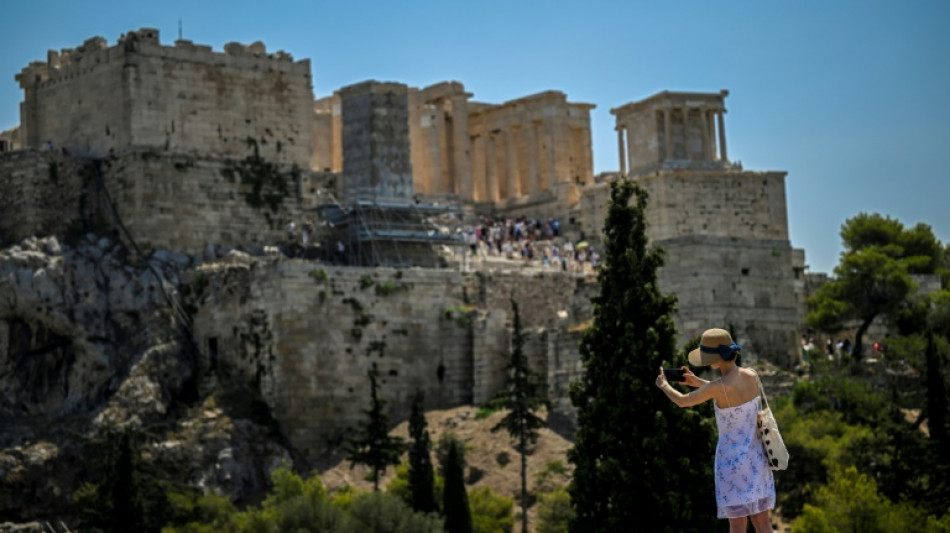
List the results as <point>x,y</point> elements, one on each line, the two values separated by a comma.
<point>95,340</point>
<point>79,326</point>
<point>90,342</point>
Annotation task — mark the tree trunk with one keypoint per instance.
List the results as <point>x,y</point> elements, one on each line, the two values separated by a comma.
<point>858,347</point>
<point>524,487</point>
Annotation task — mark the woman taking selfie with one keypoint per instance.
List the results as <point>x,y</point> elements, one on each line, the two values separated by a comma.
<point>744,484</point>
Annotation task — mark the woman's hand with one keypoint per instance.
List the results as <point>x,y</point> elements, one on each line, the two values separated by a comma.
<point>661,379</point>
<point>691,379</point>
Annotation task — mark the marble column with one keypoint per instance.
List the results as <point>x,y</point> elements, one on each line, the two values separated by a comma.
<point>621,150</point>
<point>491,170</point>
<point>435,179</point>
<point>461,147</point>
<point>550,177</point>
<point>511,158</point>
<point>668,131</point>
<point>722,136</point>
<point>534,176</point>
<point>686,133</point>
<point>705,133</point>
<point>337,120</point>
<point>479,172</point>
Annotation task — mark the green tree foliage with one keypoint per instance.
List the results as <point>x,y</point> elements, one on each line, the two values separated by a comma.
<point>301,506</point>
<point>819,441</point>
<point>196,513</point>
<point>421,474</point>
<point>125,492</point>
<point>399,485</point>
<point>523,395</point>
<point>385,513</point>
<point>873,278</point>
<point>491,512</point>
<point>836,422</point>
<point>851,502</point>
<point>446,442</point>
<point>635,465</point>
<point>555,512</point>
<point>937,399</point>
<point>374,447</point>
<point>936,410</point>
<point>458,516</point>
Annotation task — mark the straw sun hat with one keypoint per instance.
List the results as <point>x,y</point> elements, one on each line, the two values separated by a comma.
<point>716,345</point>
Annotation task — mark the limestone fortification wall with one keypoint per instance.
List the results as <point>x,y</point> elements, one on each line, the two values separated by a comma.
<point>725,203</point>
<point>729,260</point>
<point>185,203</point>
<point>308,333</point>
<point>739,205</point>
<point>745,284</point>
<point>76,100</point>
<point>98,99</point>
<point>41,194</point>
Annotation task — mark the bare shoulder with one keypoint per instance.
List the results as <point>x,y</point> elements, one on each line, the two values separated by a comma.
<point>748,372</point>
<point>749,377</point>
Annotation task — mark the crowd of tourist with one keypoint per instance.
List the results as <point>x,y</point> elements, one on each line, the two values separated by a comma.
<point>533,242</point>
<point>530,242</point>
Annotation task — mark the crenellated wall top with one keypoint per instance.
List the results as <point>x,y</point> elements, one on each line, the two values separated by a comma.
<point>95,53</point>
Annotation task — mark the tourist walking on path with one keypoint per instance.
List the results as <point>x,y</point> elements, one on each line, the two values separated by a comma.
<point>745,488</point>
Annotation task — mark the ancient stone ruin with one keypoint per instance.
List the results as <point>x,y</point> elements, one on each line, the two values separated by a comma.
<point>190,164</point>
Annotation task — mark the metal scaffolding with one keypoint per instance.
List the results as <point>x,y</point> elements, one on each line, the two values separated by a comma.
<point>392,234</point>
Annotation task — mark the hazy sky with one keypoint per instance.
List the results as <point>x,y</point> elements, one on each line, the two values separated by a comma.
<point>851,98</point>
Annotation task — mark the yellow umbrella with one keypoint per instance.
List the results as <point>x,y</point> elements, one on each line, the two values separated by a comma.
<point>582,244</point>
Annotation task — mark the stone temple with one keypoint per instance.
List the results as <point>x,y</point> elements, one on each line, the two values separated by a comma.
<point>189,149</point>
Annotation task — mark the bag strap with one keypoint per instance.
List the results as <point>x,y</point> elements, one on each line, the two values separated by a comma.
<point>762,397</point>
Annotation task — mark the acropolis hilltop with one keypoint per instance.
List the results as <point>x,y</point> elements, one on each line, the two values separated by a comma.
<point>181,149</point>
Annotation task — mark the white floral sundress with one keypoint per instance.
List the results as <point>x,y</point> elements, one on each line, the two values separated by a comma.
<point>744,483</point>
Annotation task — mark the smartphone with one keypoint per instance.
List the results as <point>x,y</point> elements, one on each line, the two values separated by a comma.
<point>674,374</point>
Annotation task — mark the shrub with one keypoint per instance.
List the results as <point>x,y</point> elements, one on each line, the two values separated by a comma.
<point>491,512</point>
<point>484,412</point>
<point>319,275</point>
<point>399,485</point>
<point>387,287</point>
<point>555,511</point>
<point>851,502</point>
<point>366,282</point>
<point>379,512</point>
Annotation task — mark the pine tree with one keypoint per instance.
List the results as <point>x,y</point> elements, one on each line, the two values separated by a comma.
<point>523,395</point>
<point>374,447</point>
<point>937,404</point>
<point>458,516</point>
<point>936,467</point>
<point>421,474</point>
<point>642,463</point>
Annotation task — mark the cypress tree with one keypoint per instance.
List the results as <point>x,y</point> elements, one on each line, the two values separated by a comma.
<point>523,395</point>
<point>374,447</point>
<point>458,516</point>
<point>421,475</point>
<point>641,462</point>
<point>126,504</point>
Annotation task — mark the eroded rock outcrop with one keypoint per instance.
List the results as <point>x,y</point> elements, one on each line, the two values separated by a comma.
<point>92,341</point>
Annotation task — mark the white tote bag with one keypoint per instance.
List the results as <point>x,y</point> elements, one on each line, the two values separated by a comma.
<point>775,449</point>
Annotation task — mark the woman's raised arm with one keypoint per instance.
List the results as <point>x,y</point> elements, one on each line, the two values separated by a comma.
<point>698,396</point>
